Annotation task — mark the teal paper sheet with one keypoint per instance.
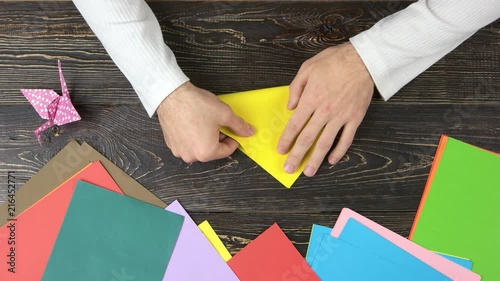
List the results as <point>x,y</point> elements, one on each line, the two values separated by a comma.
<point>107,236</point>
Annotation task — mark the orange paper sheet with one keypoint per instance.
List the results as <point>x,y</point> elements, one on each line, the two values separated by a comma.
<point>36,229</point>
<point>435,164</point>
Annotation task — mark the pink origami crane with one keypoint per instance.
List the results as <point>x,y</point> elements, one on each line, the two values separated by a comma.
<point>56,109</point>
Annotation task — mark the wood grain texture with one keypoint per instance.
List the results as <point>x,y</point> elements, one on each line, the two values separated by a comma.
<point>217,43</point>
<point>234,46</point>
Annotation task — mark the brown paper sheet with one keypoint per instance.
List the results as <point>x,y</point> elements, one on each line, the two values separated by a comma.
<point>71,159</point>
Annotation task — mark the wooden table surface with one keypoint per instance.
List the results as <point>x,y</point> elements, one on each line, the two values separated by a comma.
<point>236,46</point>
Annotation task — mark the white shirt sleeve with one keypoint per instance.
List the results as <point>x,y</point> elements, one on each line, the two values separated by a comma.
<point>401,46</point>
<point>132,36</point>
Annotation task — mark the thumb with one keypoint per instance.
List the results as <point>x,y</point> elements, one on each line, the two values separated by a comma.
<point>225,148</point>
<point>237,124</point>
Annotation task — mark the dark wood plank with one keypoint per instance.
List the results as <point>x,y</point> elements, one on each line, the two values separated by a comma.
<point>218,43</point>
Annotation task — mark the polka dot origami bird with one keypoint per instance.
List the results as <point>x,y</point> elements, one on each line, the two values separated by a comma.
<point>56,109</point>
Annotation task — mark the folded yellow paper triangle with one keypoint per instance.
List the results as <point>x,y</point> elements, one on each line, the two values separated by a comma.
<point>266,110</point>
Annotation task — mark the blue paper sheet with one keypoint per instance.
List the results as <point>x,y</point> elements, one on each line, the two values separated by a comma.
<point>318,231</point>
<point>361,236</point>
<point>337,260</point>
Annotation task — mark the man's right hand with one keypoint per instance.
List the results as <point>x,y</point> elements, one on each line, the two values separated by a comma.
<point>191,119</point>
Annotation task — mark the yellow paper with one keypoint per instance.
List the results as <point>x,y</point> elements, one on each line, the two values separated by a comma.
<point>266,110</point>
<point>209,232</point>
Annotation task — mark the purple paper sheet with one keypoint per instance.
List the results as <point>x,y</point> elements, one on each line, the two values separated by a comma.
<point>194,257</point>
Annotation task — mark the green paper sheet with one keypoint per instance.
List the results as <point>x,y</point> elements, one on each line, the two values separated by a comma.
<point>461,214</point>
<point>106,236</point>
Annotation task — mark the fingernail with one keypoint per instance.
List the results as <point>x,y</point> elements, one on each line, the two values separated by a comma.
<point>333,160</point>
<point>251,129</point>
<point>281,150</point>
<point>289,168</point>
<point>309,171</point>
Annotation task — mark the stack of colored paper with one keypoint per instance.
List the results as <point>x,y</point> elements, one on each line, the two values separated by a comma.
<point>82,218</point>
<point>360,249</point>
<point>458,215</point>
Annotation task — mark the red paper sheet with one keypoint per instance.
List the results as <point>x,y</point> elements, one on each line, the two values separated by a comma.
<point>271,257</point>
<point>36,229</point>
